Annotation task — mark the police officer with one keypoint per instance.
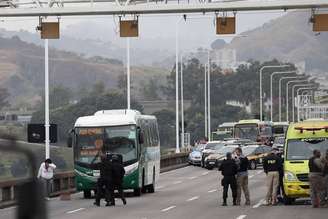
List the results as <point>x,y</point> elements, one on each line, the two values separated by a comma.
<point>272,165</point>
<point>228,169</point>
<point>118,173</point>
<point>104,182</point>
<point>315,178</point>
<point>324,195</point>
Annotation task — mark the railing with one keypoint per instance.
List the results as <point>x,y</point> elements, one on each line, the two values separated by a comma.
<point>63,182</point>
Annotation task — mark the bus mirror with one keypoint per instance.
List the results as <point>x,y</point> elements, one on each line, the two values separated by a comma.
<point>141,137</point>
<point>69,141</point>
<point>70,138</point>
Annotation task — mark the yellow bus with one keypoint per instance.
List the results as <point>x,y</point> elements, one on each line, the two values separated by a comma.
<point>301,139</point>
<point>255,130</point>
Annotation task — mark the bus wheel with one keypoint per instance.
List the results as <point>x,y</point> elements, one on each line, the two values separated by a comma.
<point>137,192</point>
<point>151,188</point>
<point>288,201</point>
<point>253,165</point>
<point>87,194</point>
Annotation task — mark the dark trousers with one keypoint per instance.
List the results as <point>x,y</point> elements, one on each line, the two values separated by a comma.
<point>103,185</point>
<point>119,188</point>
<point>226,181</point>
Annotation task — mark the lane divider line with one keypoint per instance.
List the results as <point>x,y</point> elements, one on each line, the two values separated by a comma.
<point>193,177</point>
<point>211,191</point>
<point>177,182</point>
<point>241,216</point>
<point>71,212</point>
<point>259,203</point>
<point>169,208</point>
<point>193,198</point>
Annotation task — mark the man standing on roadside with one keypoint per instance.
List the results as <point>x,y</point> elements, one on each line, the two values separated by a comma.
<point>271,165</point>
<point>315,178</point>
<point>228,169</point>
<point>46,174</point>
<point>242,176</point>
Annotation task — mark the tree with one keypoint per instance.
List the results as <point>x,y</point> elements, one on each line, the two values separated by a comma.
<point>4,98</point>
<point>150,90</point>
<point>66,115</point>
<point>166,126</point>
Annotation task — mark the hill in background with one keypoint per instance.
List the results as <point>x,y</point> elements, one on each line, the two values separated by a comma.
<point>288,38</point>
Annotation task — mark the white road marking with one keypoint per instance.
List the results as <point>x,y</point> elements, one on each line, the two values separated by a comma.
<point>203,174</point>
<point>241,216</point>
<point>160,187</point>
<point>193,177</point>
<point>259,203</point>
<point>172,171</point>
<point>193,198</point>
<point>177,182</point>
<point>211,191</point>
<point>169,208</point>
<point>259,172</point>
<point>251,176</point>
<point>70,212</point>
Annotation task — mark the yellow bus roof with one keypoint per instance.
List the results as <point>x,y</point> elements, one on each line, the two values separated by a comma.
<point>308,129</point>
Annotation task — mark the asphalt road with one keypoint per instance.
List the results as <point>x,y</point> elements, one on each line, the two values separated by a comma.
<point>190,192</point>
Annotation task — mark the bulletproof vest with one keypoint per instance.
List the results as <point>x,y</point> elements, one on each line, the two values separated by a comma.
<point>313,168</point>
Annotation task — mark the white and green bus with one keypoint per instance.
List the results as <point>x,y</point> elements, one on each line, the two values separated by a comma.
<point>124,132</point>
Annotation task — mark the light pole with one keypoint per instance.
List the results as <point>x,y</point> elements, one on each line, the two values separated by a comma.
<point>261,71</point>
<point>182,107</point>
<point>287,106</point>
<point>209,94</point>
<point>279,96</point>
<point>205,93</point>
<point>46,98</point>
<point>128,72</point>
<point>298,99</point>
<point>293,96</point>
<point>177,142</point>
<point>271,82</point>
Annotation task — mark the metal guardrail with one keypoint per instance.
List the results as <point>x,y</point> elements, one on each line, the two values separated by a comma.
<point>63,182</point>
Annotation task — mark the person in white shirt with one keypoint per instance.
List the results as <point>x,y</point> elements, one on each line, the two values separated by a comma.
<point>46,174</point>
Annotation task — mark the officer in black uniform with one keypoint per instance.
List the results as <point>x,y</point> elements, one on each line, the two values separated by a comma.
<point>118,173</point>
<point>229,170</point>
<point>104,182</point>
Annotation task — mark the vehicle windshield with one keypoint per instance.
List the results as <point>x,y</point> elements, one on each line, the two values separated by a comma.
<point>279,141</point>
<point>302,149</point>
<point>214,146</point>
<point>265,130</point>
<point>226,149</point>
<point>91,142</point>
<point>248,150</point>
<point>246,131</point>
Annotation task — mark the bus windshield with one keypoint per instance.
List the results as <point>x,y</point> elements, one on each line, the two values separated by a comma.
<point>91,142</point>
<point>246,131</point>
<point>301,149</point>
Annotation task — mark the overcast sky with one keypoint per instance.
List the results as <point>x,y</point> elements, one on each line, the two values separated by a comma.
<point>198,30</point>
